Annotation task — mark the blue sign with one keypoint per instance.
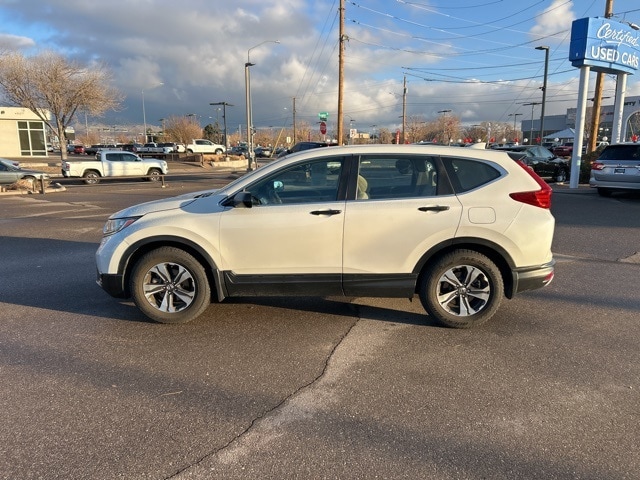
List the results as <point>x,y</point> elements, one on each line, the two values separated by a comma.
<point>605,45</point>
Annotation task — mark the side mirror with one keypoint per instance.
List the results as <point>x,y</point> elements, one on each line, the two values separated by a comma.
<point>242,200</point>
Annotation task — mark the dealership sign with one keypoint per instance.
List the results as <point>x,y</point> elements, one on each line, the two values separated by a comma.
<point>604,45</point>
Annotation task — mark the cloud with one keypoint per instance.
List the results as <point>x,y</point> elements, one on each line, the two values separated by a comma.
<point>15,42</point>
<point>557,17</point>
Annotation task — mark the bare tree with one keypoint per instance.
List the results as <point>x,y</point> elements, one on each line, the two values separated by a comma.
<point>181,129</point>
<point>48,83</point>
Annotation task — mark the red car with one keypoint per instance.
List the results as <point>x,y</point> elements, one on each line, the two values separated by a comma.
<point>78,149</point>
<point>564,150</point>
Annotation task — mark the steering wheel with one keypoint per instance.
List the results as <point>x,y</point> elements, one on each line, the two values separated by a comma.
<point>268,196</point>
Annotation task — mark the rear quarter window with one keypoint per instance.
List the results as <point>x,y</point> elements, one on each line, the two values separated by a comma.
<point>466,174</point>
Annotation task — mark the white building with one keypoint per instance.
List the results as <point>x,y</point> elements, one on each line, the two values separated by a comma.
<point>22,133</point>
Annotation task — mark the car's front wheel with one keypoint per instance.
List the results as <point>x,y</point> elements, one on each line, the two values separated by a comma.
<point>561,175</point>
<point>218,151</point>
<point>462,289</point>
<point>170,286</point>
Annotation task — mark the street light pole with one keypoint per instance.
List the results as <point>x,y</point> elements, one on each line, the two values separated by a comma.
<point>144,113</point>
<point>247,84</point>
<point>544,89</point>
<point>224,119</point>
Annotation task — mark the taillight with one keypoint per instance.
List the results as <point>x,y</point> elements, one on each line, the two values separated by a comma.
<point>597,166</point>
<point>538,198</point>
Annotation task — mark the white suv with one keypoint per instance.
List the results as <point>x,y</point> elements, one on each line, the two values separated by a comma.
<point>459,227</point>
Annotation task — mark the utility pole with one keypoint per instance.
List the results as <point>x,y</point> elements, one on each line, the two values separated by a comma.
<point>544,89</point>
<point>597,95</point>
<point>343,38</point>
<point>294,121</point>
<point>404,108</point>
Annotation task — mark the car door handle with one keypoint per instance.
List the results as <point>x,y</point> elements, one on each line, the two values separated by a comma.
<point>326,212</point>
<point>434,208</point>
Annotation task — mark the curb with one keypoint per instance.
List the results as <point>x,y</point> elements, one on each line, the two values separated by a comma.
<point>56,189</point>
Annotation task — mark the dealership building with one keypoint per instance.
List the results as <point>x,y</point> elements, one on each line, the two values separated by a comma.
<point>22,133</point>
<point>557,123</point>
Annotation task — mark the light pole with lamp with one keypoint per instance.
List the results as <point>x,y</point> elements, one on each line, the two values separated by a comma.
<point>544,89</point>
<point>224,119</point>
<point>247,83</point>
<point>144,113</point>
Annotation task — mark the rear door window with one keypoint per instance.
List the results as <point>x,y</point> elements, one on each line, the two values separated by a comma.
<point>382,177</point>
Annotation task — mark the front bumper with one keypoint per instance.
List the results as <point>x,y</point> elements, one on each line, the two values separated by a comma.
<point>113,284</point>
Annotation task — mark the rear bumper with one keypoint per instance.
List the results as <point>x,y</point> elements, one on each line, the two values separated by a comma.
<point>531,278</point>
<point>596,183</point>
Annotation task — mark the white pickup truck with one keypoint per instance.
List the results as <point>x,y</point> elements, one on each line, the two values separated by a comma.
<point>114,164</point>
<point>201,145</point>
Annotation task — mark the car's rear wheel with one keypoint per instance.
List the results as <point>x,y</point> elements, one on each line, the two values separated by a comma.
<point>170,286</point>
<point>462,289</point>
<point>154,175</point>
<point>91,177</point>
<point>561,175</point>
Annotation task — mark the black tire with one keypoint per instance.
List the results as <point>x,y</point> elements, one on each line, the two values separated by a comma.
<point>91,177</point>
<point>218,151</point>
<point>604,192</point>
<point>189,151</point>
<point>561,176</point>
<point>463,289</point>
<point>154,175</point>
<point>170,286</point>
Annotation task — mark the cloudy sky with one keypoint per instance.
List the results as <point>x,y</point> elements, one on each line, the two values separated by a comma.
<point>476,58</point>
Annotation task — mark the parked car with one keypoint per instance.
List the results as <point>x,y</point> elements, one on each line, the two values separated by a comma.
<point>617,169</point>
<point>461,228</point>
<point>542,161</point>
<point>239,150</point>
<point>10,173</point>
<point>93,149</point>
<point>173,147</point>
<point>201,145</point>
<point>78,149</point>
<point>263,152</point>
<point>131,147</point>
<point>564,150</point>
<point>10,163</point>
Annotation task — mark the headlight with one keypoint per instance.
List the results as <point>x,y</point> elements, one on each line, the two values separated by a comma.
<point>114,225</point>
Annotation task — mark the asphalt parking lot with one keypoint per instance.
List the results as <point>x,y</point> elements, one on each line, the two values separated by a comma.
<point>315,388</point>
